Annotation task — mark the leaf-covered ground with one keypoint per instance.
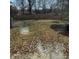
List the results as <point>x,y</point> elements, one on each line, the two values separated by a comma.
<point>41,42</point>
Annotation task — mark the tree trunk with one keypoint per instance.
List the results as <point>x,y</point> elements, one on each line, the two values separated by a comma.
<point>30,6</point>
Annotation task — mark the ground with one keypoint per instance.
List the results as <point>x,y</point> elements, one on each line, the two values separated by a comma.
<point>41,42</point>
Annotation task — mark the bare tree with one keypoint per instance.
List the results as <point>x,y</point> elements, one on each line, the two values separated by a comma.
<point>64,8</point>
<point>21,4</point>
<point>22,8</point>
<point>31,3</point>
<point>44,6</point>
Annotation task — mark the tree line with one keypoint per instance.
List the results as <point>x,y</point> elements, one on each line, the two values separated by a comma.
<point>57,7</point>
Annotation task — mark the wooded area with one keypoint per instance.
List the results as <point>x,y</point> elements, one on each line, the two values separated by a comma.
<point>39,29</point>
<point>39,9</point>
